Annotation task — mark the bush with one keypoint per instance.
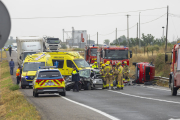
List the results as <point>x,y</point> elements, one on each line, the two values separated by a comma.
<point>78,49</point>
<point>63,46</point>
<point>14,87</point>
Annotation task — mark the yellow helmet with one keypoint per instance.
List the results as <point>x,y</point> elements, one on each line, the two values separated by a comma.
<point>95,62</point>
<point>119,63</point>
<point>101,62</point>
<point>125,62</point>
<point>103,65</point>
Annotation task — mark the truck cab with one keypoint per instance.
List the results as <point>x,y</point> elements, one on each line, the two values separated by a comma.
<point>91,54</point>
<point>174,76</point>
<point>114,54</point>
<point>51,44</point>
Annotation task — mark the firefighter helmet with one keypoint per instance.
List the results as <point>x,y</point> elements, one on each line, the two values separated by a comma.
<point>125,62</point>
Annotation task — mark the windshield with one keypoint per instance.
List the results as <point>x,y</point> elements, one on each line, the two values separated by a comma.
<point>94,52</point>
<point>116,54</point>
<point>28,53</point>
<point>53,41</point>
<point>84,73</point>
<point>49,74</point>
<point>97,72</point>
<point>81,63</point>
<point>32,66</point>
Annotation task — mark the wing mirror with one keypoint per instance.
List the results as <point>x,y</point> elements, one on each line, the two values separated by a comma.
<point>130,54</point>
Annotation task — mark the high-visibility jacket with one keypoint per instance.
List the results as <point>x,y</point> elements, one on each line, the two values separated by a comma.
<point>95,66</point>
<point>126,69</point>
<point>75,75</point>
<point>18,72</point>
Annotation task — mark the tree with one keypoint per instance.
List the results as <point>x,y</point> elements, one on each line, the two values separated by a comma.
<point>63,46</point>
<point>106,41</point>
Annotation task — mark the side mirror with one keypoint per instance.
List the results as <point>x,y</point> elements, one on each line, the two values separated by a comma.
<point>166,58</point>
<point>130,54</point>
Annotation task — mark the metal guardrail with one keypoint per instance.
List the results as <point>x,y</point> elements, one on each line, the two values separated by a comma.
<point>163,79</point>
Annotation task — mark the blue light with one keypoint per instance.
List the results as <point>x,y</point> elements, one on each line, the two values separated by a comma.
<point>39,67</point>
<point>124,46</point>
<point>26,77</point>
<point>93,45</point>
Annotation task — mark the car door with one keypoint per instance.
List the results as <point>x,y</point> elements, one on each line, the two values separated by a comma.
<point>60,65</point>
<point>69,67</point>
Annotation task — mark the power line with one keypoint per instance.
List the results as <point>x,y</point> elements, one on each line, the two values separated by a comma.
<point>154,19</point>
<point>89,15</point>
<point>93,35</point>
<point>129,28</point>
<point>107,34</point>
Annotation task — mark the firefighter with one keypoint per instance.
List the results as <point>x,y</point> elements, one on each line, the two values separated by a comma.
<point>120,76</point>
<point>126,72</point>
<point>103,76</point>
<point>95,65</point>
<point>116,72</point>
<point>101,64</point>
<point>18,75</point>
<point>108,75</point>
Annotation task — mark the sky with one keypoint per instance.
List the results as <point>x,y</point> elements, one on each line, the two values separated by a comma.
<point>103,24</point>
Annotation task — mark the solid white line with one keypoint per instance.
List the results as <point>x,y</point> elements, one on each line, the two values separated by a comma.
<point>156,88</point>
<point>91,108</point>
<point>145,97</point>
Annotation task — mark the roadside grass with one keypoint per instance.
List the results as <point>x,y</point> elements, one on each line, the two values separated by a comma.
<point>13,105</point>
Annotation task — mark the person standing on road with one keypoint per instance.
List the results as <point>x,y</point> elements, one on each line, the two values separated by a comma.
<point>11,65</point>
<point>116,73</point>
<point>18,71</point>
<point>103,76</point>
<point>126,72</point>
<point>108,75</point>
<point>75,78</point>
<point>120,76</point>
<point>10,49</point>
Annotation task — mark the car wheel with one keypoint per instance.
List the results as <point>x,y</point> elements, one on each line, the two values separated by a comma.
<point>173,89</point>
<point>33,93</point>
<point>36,94</point>
<point>79,86</point>
<point>62,93</point>
<point>88,86</point>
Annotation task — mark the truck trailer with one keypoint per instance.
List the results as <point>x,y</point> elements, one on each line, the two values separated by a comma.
<point>28,46</point>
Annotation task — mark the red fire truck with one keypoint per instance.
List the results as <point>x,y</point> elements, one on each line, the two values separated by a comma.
<point>114,54</point>
<point>90,54</point>
<point>174,76</point>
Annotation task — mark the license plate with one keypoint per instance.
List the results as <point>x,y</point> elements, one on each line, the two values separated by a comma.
<point>30,84</point>
<point>49,83</point>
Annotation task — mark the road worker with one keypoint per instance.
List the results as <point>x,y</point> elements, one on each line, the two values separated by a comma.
<point>108,75</point>
<point>103,76</point>
<point>126,72</point>
<point>95,66</point>
<point>18,75</point>
<point>120,76</point>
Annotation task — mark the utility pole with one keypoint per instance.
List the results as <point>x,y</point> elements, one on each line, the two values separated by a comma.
<point>137,35</point>
<point>72,36</point>
<point>128,29</point>
<point>89,39</point>
<point>163,33</point>
<point>139,31</point>
<point>63,35</point>
<point>167,27</point>
<point>116,38</point>
<point>97,38</point>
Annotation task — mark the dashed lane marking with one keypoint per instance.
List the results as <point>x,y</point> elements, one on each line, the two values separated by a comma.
<point>91,108</point>
<point>145,97</point>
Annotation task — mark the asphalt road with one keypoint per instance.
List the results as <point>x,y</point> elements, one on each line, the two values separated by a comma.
<point>132,103</point>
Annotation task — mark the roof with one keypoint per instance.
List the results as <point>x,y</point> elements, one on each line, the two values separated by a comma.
<point>72,54</point>
<point>26,39</point>
<point>36,57</point>
<point>56,69</point>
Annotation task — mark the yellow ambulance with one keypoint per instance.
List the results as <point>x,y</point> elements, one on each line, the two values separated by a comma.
<point>31,65</point>
<point>66,60</point>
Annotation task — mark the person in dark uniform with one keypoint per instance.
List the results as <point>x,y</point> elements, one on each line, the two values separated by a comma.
<point>10,49</point>
<point>75,78</point>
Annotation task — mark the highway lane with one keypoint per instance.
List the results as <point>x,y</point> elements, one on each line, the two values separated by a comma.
<point>134,102</point>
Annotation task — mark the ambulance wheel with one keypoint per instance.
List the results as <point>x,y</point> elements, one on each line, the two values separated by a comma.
<point>23,87</point>
<point>62,93</point>
<point>173,89</point>
<point>35,94</point>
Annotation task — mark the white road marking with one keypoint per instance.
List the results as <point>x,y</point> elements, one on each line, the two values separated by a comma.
<point>157,88</point>
<point>145,97</point>
<point>174,119</point>
<point>91,108</point>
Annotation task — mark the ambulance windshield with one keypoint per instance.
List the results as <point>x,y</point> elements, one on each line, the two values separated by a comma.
<point>32,66</point>
<point>93,51</point>
<point>81,63</point>
<point>116,54</point>
<point>28,53</point>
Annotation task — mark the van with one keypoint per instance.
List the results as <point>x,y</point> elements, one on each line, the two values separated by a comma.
<point>31,65</point>
<point>66,60</point>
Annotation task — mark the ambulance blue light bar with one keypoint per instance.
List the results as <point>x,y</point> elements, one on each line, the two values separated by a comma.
<point>47,67</point>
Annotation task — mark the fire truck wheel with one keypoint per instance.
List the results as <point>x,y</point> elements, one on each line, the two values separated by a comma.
<point>173,89</point>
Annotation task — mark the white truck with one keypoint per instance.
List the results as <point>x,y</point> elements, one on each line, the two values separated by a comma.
<point>28,46</point>
<point>14,46</point>
<point>51,44</point>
